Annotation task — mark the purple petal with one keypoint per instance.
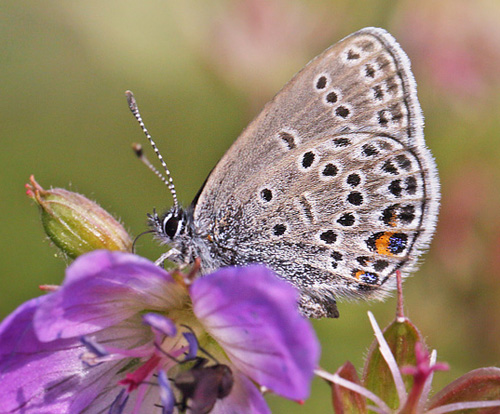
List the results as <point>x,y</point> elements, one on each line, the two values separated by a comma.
<point>36,377</point>
<point>49,377</point>
<point>101,289</point>
<point>143,400</point>
<point>25,365</point>
<point>253,315</point>
<point>244,398</point>
<point>160,323</point>
<point>118,405</point>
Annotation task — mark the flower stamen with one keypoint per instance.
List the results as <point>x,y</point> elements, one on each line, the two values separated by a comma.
<point>134,379</point>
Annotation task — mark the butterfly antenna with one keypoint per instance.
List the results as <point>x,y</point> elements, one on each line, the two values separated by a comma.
<point>168,180</point>
<point>137,148</point>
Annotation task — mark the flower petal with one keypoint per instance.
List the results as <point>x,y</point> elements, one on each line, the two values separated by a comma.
<point>253,315</point>
<point>101,289</point>
<point>145,399</point>
<point>118,405</point>
<point>244,398</point>
<point>49,377</point>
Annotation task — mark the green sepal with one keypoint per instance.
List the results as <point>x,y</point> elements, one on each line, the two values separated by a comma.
<point>346,401</point>
<point>401,336</point>
<point>481,384</point>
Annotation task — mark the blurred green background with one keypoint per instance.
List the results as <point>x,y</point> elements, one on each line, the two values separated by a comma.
<point>200,72</point>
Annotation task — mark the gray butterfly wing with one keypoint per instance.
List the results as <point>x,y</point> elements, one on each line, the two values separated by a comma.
<point>331,185</point>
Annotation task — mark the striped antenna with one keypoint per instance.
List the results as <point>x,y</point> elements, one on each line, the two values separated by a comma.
<point>137,148</point>
<point>132,104</point>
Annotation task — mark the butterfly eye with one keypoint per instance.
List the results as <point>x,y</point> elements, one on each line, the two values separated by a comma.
<point>172,225</point>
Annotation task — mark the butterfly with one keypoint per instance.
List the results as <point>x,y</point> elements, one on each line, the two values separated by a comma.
<point>331,185</point>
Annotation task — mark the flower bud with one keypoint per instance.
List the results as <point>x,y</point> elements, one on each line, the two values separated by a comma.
<point>75,224</point>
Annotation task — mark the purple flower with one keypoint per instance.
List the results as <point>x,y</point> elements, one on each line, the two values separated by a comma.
<point>105,340</point>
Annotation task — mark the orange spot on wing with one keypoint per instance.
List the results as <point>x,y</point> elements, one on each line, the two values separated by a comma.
<point>394,217</point>
<point>383,242</point>
<point>358,274</point>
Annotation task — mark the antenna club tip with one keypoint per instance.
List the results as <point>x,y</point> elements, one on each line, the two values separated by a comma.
<point>130,99</point>
<point>137,148</point>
